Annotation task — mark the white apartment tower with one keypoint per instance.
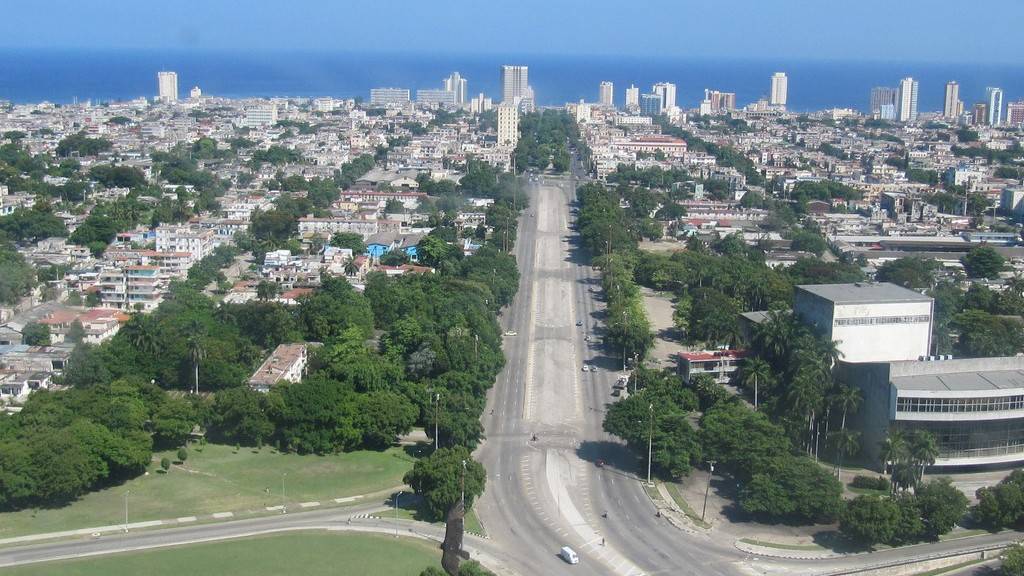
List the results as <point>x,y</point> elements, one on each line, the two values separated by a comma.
<point>457,84</point>
<point>667,92</point>
<point>780,90</point>
<point>515,83</point>
<point>906,100</point>
<point>508,125</point>
<point>167,83</point>
<point>607,94</point>
<point>953,106</point>
<point>632,97</point>
<point>994,99</point>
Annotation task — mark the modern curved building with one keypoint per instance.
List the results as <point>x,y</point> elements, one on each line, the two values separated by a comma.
<point>973,406</point>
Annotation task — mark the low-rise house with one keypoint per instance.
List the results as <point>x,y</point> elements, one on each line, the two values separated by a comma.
<point>287,363</point>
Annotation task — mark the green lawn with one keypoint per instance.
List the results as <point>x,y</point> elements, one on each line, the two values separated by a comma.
<point>218,479</point>
<point>308,553</point>
<point>677,496</point>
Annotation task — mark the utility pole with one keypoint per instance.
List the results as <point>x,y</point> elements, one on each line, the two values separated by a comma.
<point>437,406</point>
<point>397,495</point>
<point>707,489</point>
<point>283,509</point>
<point>650,441</point>
<point>126,493</point>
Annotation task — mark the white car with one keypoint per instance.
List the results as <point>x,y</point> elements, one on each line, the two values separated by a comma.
<point>510,333</point>
<point>586,368</point>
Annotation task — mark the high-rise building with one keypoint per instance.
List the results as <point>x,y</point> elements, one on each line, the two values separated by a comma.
<point>167,83</point>
<point>456,84</point>
<point>994,100</point>
<point>667,92</point>
<point>515,83</point>
<point>607,94</point>
<point>780,90</point>
<point>508,125</point>
<point>1015,113</point>
<point>632,97</point>
<point>380,97</point>
<point>480,104</point>
<point>195,93</point>
<point>651,104</point>
<point>979,114</point>
<point>953,106</point>
<point>881,96</point>
<point>906,100</point>
<point>719,101</point>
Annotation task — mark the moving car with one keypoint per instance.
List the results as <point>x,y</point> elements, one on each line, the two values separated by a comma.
<point>579,322</point>
<point>510,333</point>
<point>568,555</point>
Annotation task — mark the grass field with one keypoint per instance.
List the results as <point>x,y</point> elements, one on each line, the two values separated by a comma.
<point>218,479</point>
<point>308,553</point>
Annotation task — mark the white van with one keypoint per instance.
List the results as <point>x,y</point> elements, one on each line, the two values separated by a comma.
<point>569,556</point>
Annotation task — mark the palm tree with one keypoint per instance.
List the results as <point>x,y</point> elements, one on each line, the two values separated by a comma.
<point>140,335</point>
<point>845,443</point>
<point>350,267</point>
<point>847,399</point>
<point>756,370</point>
<point>804,396</point>
<point>893,449</point>
<point>924,449</point>
<point>773,336</point>
<point>196,352</point>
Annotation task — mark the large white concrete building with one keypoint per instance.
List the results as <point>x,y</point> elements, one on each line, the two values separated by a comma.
<point>515,83</point>
<point>780,90</point>
<point>906,100</point>
<point>952,107</point>
<point>873,322</point>
<point>632,97</point>
<point>667,92</point>
<point>167,85</point>
<point>380,97</point>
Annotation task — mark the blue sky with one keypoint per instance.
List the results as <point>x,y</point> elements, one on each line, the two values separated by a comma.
<point>892,30</point>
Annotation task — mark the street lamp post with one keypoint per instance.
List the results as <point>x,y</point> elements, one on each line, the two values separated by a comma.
<point>283,508</point>
<point>126,493</point>
<point>397,495</point>
<point>437,406</point>
<point>711,469</point>
<point>650,440</point>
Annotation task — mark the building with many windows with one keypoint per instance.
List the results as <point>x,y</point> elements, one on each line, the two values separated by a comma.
<point>606,94</point>
<point>167,86</point>
<point>651,104</point>
<point>974,407</point>
<point>906,100</point>
<point>994,100</point>
<point>780,90</point>
<point>722,365</point>
<point>382,97</point>
<point>508,125</point>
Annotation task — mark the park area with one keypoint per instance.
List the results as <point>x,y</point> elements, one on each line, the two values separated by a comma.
<point>308,553</point>
<point>217,478</point>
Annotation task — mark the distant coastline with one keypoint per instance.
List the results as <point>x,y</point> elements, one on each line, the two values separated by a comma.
<point>62,76</point>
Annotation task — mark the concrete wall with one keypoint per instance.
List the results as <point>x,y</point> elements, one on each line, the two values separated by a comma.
<point>878,342</point>
<point>877,408</point>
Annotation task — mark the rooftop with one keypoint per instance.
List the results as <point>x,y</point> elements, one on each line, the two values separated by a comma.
<point>864,293</point>
<point>963,381</point>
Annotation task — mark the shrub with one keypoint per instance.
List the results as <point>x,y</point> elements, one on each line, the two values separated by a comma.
<point>879,483</point>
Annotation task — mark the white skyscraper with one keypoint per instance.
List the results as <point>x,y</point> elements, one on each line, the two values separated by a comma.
<point>508,125</point>
<point>632,97</point>
<point>195,93</point>
<point>607,94</point>
<point>952,105</point>
<point>906,100</point>
<point>457,84</point>
<point>994,99</point>
<point>780,90</point>
<point>168,86</point>
<point>667,91</point>
<point>515,83</point>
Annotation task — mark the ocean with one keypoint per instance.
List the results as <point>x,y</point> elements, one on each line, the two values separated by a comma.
<point>65,76</point>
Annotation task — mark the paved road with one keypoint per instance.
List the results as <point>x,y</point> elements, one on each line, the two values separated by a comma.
<point>547,493</point>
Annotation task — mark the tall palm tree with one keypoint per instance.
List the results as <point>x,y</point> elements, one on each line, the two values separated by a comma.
<point>893,449</point>
<point>756,371</point>
<point>140,334</point>
<point>847,399</point>
<point>845,443</point>
<point>924,449</point>
<point>774,335</point>
<point>196,352</point>
<point>804,397</point>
